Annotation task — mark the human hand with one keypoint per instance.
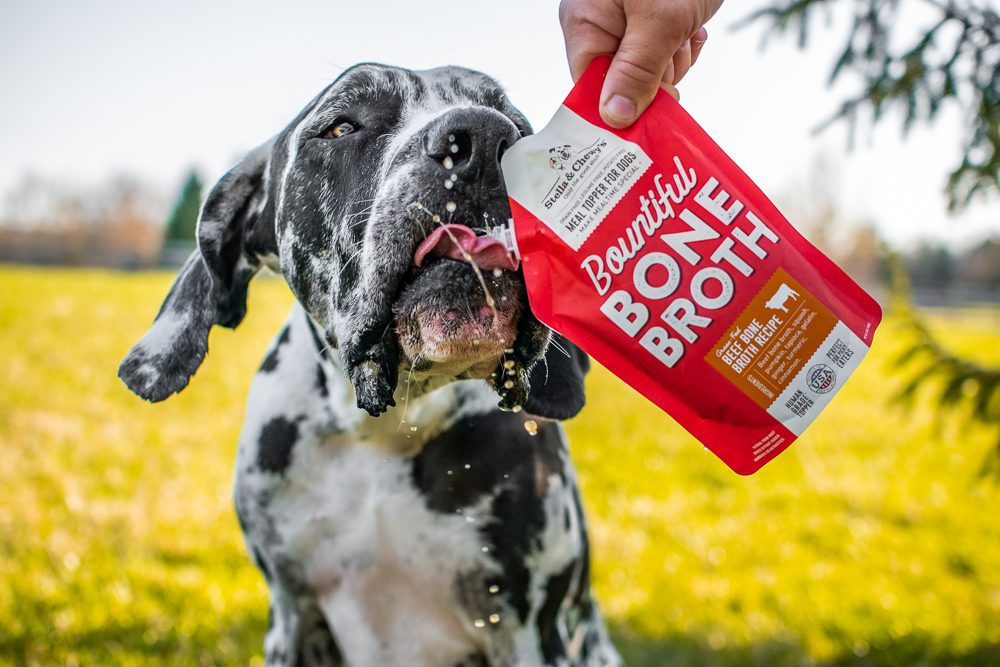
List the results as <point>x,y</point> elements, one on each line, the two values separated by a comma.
<point>654,43</point>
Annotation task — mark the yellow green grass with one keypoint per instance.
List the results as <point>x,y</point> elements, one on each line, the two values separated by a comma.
<point>870,542</point>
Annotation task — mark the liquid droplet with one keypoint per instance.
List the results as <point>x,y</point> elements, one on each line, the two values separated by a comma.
<point>508,385</point>
<point>516,408</point>
<point>413,428</point>
<point>494,589</point>
<point>447,185</point>
<point>531,426</point>
<point>479,623</point>
<point>450,207</point>
<point>454,148</point>
<point>494,618</point>
<point>454,177</point>
<point>509,363</point>
<point>436,218</point>
<point>467,466</point>
<point>450,472</point>
<point>448,162</point>
<point>497,273</point>
<point>485,550</point>
<point>451,138</point>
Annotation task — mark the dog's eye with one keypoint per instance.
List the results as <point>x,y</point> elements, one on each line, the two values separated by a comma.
<point>339,129</point>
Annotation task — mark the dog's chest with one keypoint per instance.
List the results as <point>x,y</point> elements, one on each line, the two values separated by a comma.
<point>370,548</point>
<point>356,507</point>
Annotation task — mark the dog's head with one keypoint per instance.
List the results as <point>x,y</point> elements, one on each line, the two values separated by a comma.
<point>375,204</point>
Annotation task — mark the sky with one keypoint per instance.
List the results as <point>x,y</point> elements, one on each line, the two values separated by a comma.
<point>97,88</point>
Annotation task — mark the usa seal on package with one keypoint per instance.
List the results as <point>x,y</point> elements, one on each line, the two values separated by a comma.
<point>650,249</point>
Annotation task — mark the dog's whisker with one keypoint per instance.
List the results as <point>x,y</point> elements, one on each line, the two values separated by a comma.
<point>367,209</point>
<point>554,343</point>
<point>357,218</point>
<point>350,259</point>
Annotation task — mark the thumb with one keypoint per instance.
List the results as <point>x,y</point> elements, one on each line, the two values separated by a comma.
<point>636,71</point>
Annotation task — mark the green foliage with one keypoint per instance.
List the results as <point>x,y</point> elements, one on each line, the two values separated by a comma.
<point>183,223</point>
<point>864,544</point>
<point>958,385</point>
<point>956,58</point>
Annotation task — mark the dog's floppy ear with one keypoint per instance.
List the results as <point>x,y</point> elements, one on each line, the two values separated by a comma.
<point>211,287</point>
<point>557,390</point>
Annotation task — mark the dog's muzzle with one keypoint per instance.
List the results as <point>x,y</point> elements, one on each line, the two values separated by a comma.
<point>459,306</point>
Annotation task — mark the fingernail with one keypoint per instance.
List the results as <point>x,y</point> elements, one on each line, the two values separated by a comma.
<point>620,109</point>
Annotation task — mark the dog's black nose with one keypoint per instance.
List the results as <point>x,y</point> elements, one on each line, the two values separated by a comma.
<point>470,142</point>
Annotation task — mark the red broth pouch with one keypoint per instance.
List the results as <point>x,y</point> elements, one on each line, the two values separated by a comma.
<point>651,250</point>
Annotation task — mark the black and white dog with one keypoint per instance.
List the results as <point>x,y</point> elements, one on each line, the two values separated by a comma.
<point>445,531</point>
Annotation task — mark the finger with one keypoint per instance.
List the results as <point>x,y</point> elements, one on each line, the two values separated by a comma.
<point>587,35</point>
<point>681,62</point>
<point>697,42</point>
<point>636,72</point>
<point>668,74</point>
<point>672,90</point>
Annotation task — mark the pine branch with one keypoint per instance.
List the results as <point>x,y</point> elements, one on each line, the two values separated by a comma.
<point>960,386</point>
<point>935,68</point>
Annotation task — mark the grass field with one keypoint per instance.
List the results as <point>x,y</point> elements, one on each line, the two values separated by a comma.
<point>870,542</point>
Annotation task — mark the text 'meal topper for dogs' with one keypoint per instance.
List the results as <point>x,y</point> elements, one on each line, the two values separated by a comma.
<point>651,250</point>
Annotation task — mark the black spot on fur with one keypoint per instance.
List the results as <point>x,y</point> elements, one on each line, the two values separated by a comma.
<point>316,645</point>
<point>271,360</point>
<point>555,592</point>
<point>321,346</point>
<point>274,450</point>
<point>498,451</point>
<point>581,596</point>
<point>321,381</point>
<point>258,559</point>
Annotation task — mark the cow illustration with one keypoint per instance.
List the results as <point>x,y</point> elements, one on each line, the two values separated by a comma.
<point>777,302</point>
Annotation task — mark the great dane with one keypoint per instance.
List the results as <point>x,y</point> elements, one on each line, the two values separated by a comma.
<point>403,511</point>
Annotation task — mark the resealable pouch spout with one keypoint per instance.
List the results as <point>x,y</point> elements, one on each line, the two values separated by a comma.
<point>651,250</point>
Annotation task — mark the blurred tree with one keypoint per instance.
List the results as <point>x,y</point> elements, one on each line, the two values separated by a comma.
<point>862,257</point>
<point>981,264</point>
<point>955,58</point>
<point>113,223</point>
<point>183,223</point>
<point>931,265</point>
<point>958,386</point>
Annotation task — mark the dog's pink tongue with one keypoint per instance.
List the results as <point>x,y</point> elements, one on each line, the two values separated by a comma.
<point>460,242</point>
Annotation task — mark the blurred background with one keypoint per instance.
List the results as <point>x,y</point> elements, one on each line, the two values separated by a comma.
<point>873,124</point>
